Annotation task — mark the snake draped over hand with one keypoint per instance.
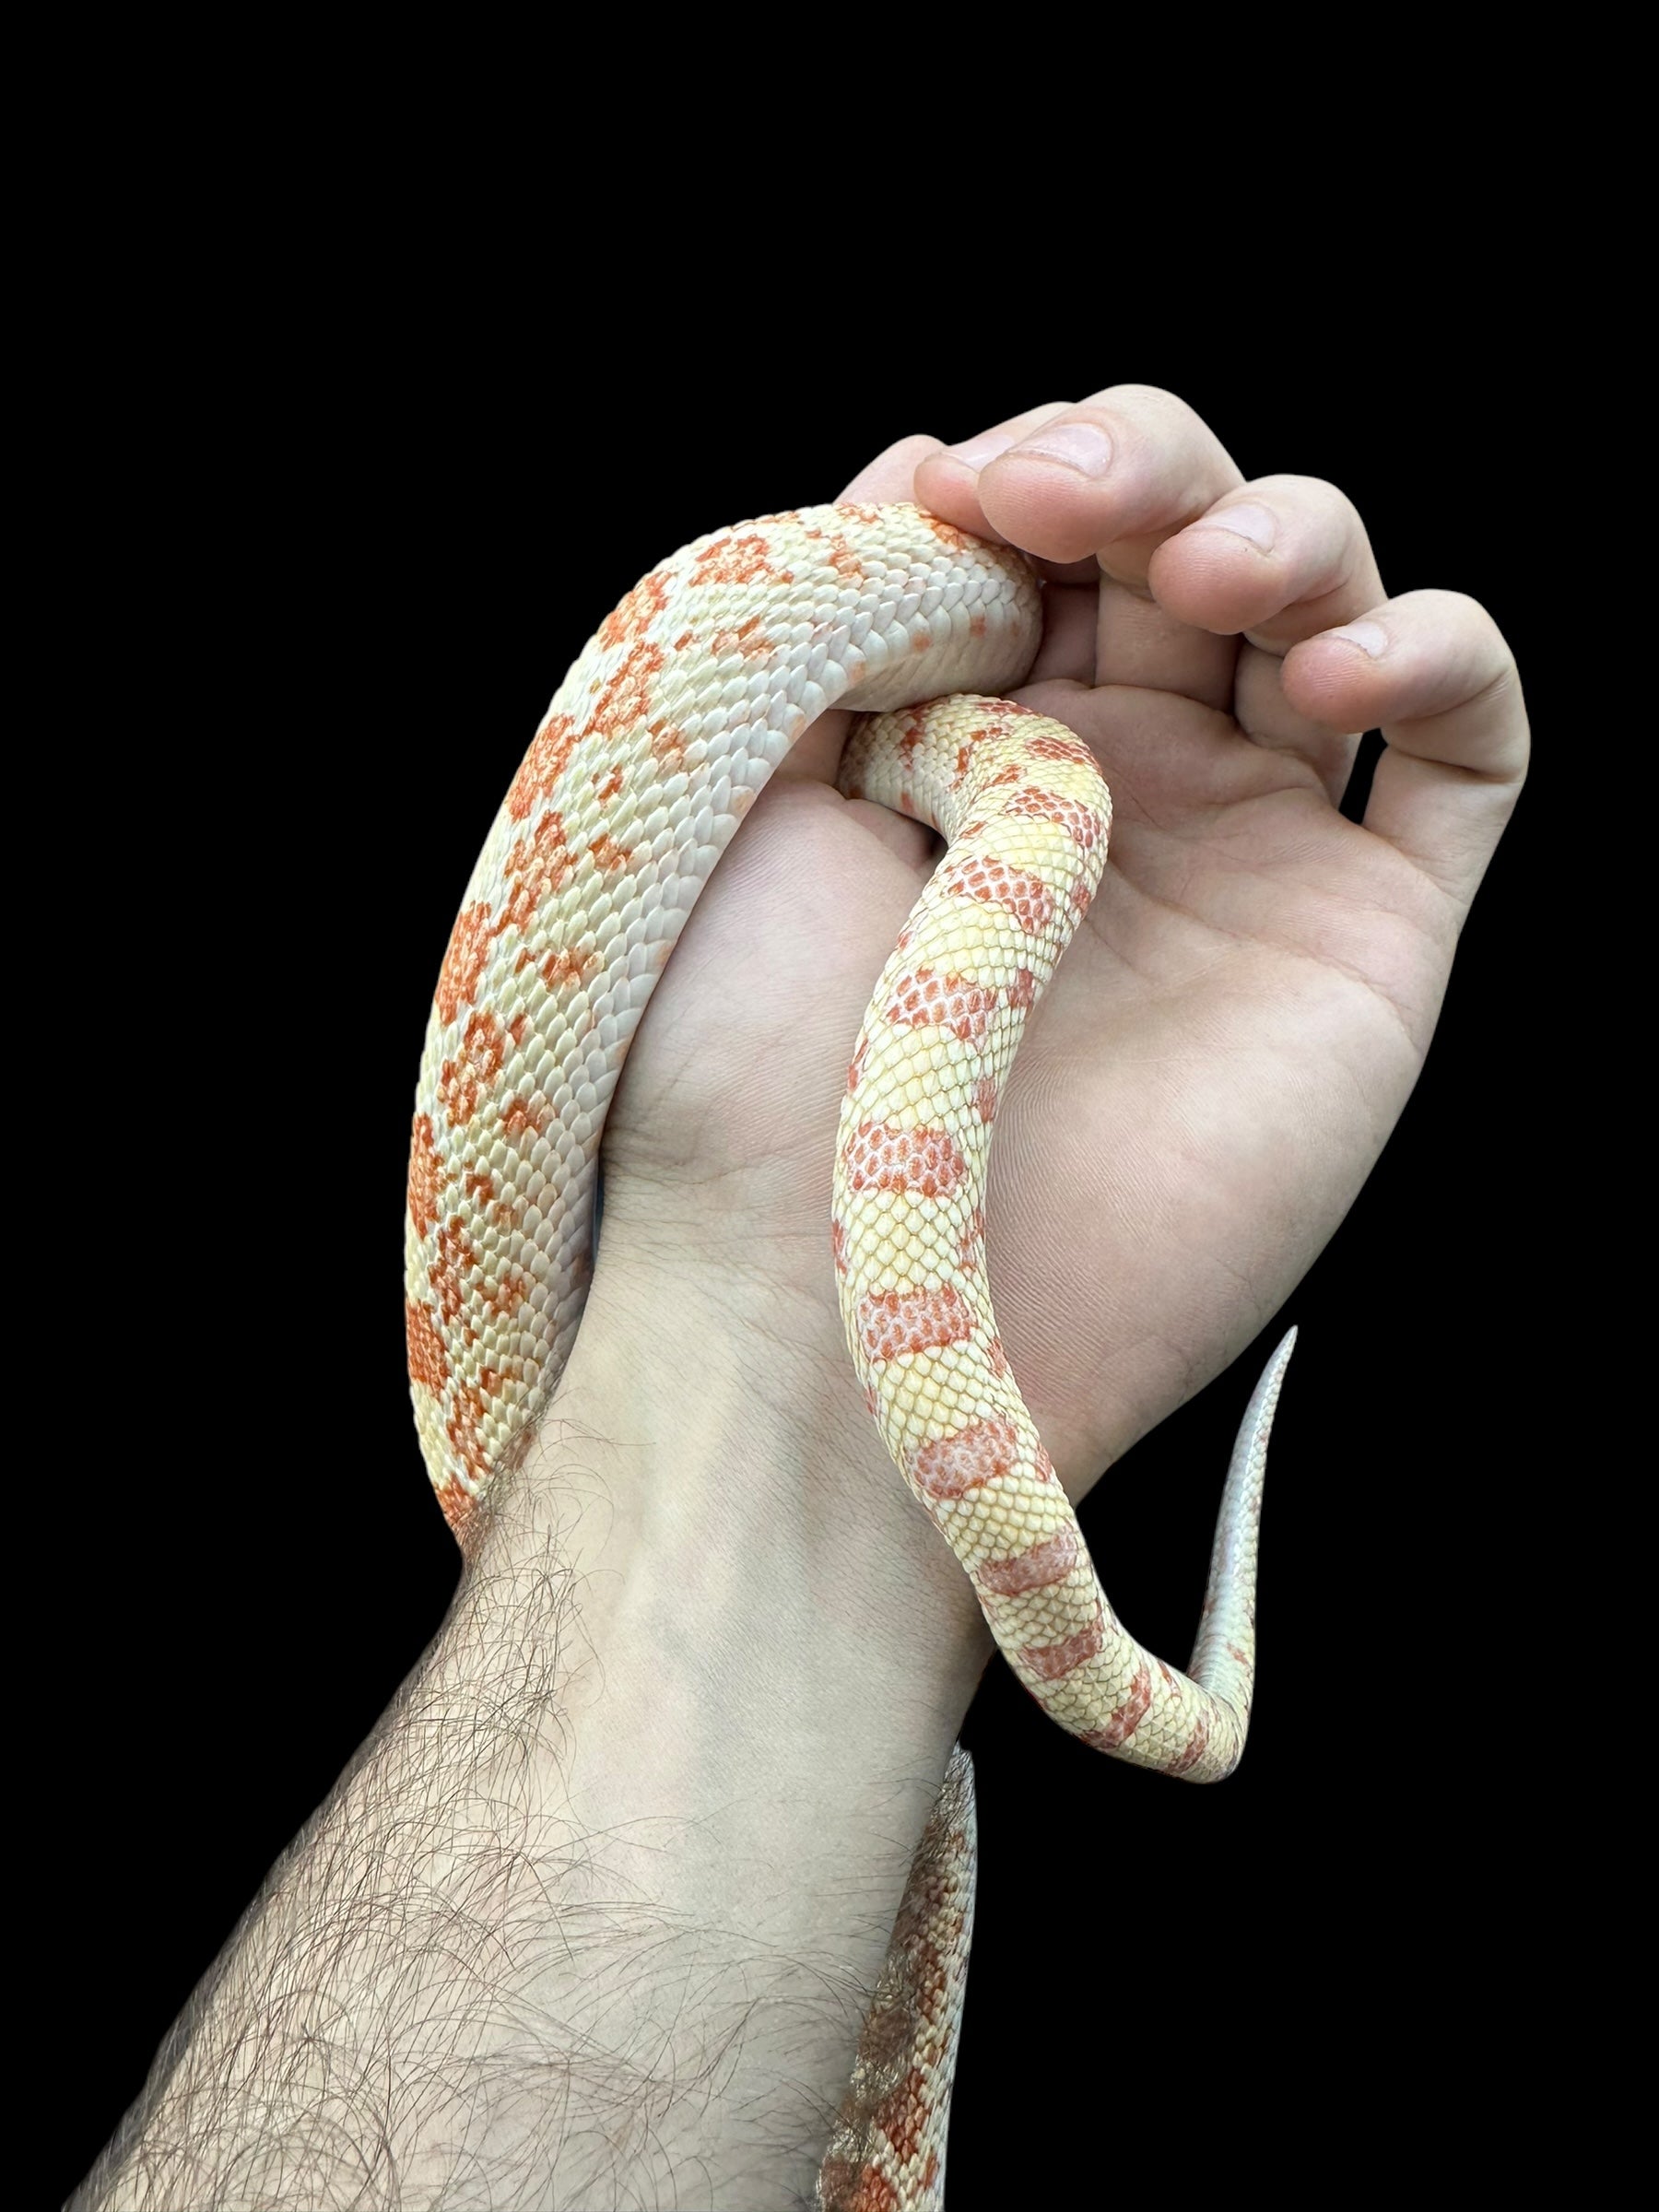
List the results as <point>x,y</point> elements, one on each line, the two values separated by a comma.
<point>656,744</point>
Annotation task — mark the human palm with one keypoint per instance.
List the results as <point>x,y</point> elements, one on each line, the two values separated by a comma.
<point>1232,1034</point>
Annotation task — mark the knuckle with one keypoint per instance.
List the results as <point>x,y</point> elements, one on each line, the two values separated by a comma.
<point>1319,497</point>
<point>1146,403</point>
<point>1466,620</point>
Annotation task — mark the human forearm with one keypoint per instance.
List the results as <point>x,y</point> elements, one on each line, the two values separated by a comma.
<point>599,1905</point>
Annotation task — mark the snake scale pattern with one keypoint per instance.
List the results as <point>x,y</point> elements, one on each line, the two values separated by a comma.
<point>655,745</point>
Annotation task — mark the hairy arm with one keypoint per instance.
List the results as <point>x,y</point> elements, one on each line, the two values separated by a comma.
<point>593,1916</point>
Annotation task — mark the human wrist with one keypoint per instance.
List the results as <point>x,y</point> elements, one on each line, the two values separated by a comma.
<point>708,1471</point>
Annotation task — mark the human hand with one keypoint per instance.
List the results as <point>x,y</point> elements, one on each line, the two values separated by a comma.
<point>1237,1024</point>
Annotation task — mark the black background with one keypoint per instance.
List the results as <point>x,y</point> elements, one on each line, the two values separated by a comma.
<point>383,507</point>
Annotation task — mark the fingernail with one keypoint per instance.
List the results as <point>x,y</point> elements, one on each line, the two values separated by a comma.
<point>1243,521</point>
<point>1370,637</point>
<point>1080,445</point>
<point>976,453</point>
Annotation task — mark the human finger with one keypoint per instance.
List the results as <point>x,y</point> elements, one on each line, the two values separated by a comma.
<point>1108,480</point>
<point>1276,562</point>
<point>1432,670</point>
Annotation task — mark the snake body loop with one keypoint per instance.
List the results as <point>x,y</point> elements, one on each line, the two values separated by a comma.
<point>655,745</point>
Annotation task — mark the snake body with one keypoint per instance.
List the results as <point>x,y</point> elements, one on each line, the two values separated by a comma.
<point>655,746</point>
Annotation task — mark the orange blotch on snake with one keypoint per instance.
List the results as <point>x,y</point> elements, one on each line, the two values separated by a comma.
<point>505,1296</point>
<point>540,866</point>
<point>625,701</point>
<point>456,1502</point>
<point>1009,710</point>
<point>1022,991</point>
<point>993,882</point>
<point>640,608</point>
<point>608,856</point>
<point>985,1097</point>
<point>455,1259</point>
<point>1194,1747</point>
<point>732,560</point>
<point>667,743</point>
<point>542,765</point>
<point>903,2114</point>
<point>482,1050</point>
<point>1128,1716</point>
<point>426,1174</point>
<point>1049,1662</point>
<point>479,1187</point>
<point>463,960</point>
<point>949,1466</point>
<point>1039,1569</point>
<point>748,640</point>
<point>838,1245</point>
<point>925,998</point>
<point>1061,748</point>
<point>606,787</point>
<point>462,1429</point>
<point>520,1115</point>
<point>841,558</point>
<point>1083,824</point>
<point>881,1157</point>
<point>561,967</point>
<point>969,1246</point>
<point>891,1323</point>
<point>428,1362</point>
<point>852,2188</point>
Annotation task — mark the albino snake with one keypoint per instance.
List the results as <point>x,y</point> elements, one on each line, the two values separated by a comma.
<point>653,748</point>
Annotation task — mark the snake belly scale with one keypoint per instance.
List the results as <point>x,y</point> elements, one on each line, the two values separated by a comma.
<point>655,745</point>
